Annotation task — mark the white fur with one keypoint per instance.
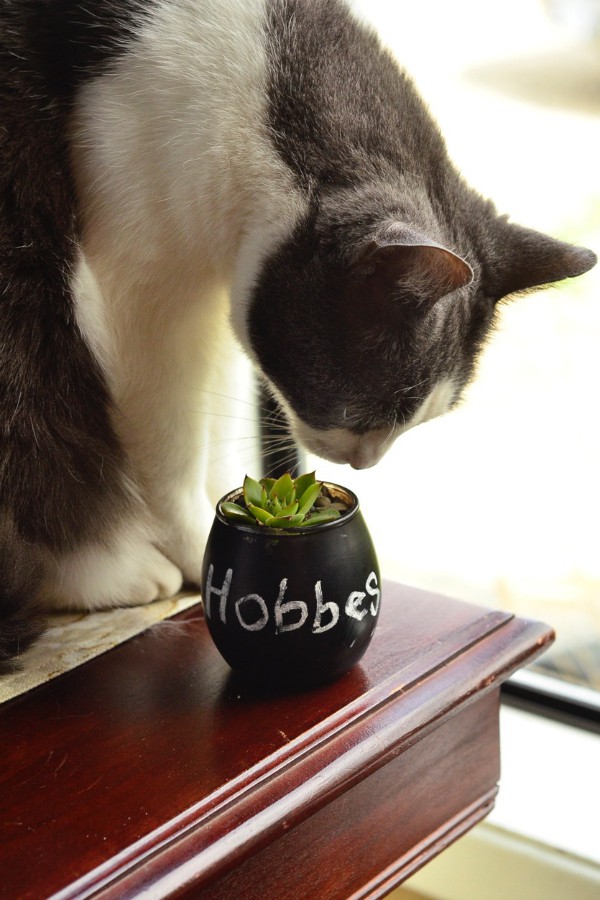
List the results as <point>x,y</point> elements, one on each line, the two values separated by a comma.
<point>127,571</point>
<point>182,196</point>
<point>437,402</point>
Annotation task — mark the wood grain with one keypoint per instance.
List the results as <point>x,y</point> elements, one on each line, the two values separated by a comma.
<point>154,767</point>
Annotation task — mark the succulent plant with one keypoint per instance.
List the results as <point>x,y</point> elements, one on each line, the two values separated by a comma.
<point>284,502</point>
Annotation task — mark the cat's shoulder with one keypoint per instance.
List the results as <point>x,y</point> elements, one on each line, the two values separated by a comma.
<point>58,43</point>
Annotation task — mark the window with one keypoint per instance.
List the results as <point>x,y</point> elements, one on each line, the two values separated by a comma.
<point>500,499</point>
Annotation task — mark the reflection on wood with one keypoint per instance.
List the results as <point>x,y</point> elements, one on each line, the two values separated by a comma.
<point>154,768</point>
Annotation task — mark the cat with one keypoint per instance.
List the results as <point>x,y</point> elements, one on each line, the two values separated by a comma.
<point>160,159</point>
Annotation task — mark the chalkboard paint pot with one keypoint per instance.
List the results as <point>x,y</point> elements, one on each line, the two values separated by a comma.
<point>295,607</point>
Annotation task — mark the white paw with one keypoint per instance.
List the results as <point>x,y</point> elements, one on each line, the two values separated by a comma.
<point>184,530</point>
<point>130,571</point>
<point>185,546</point>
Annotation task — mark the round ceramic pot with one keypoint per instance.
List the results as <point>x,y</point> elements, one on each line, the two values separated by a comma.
<point>292,607</point>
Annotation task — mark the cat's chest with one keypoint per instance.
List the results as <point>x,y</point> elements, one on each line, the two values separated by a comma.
<point>143,197</point>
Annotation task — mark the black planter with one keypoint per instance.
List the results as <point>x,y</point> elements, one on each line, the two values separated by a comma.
<point>293,607</point>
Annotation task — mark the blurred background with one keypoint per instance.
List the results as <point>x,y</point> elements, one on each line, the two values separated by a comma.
<point>499,501</point>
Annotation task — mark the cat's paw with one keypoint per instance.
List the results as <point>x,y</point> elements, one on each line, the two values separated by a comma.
<point>186,547</point>
<point>184,533</point>
<point>129,572</point>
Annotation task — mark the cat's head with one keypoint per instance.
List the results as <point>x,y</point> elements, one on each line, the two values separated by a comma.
<point>370,317</point>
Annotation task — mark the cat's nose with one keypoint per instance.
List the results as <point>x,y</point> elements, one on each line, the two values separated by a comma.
<point>369,449</point>
<point>362,460</point>
<point>340,445</point>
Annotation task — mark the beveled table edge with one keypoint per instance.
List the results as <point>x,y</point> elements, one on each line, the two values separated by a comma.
<point>293,782</point>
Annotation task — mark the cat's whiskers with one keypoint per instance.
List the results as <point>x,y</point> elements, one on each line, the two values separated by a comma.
<point>286,458</point>
<point>231,440</point>
<point>286,461</point>
<point>208,412</point>
<point>208,445</point>
<point>252,403</point>
<point>264,418</point>
<point>411,387</point>
<point>348,419</point>
<point>389,439</point>
<point>258,448</point>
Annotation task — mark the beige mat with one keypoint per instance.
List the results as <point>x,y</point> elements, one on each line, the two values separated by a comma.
<point>74,638</point>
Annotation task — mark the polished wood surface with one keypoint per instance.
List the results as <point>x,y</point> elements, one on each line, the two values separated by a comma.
<point>153,768</point>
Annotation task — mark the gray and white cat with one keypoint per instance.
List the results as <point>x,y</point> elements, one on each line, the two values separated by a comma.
<point>160,160</point>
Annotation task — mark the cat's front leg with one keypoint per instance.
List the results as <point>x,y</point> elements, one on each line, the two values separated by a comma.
<point>207,460</point>
<point>184,433</point>
<point>127,569</point>
<point>166,443</point>
<point>186,526</point>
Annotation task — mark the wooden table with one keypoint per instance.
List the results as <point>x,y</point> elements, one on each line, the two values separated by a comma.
<point>152,769</point>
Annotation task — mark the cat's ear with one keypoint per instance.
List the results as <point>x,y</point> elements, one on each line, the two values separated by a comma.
<point>527,259</point>
<point>405,264</point>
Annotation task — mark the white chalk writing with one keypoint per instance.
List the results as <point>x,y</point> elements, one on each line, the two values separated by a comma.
<point>352,604</point>
<point>223,592</point>
<point>282,609</point>
<point>260,623</point>
<point>374,591</point>
<point>252,611</point>
<point>330,608</point>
